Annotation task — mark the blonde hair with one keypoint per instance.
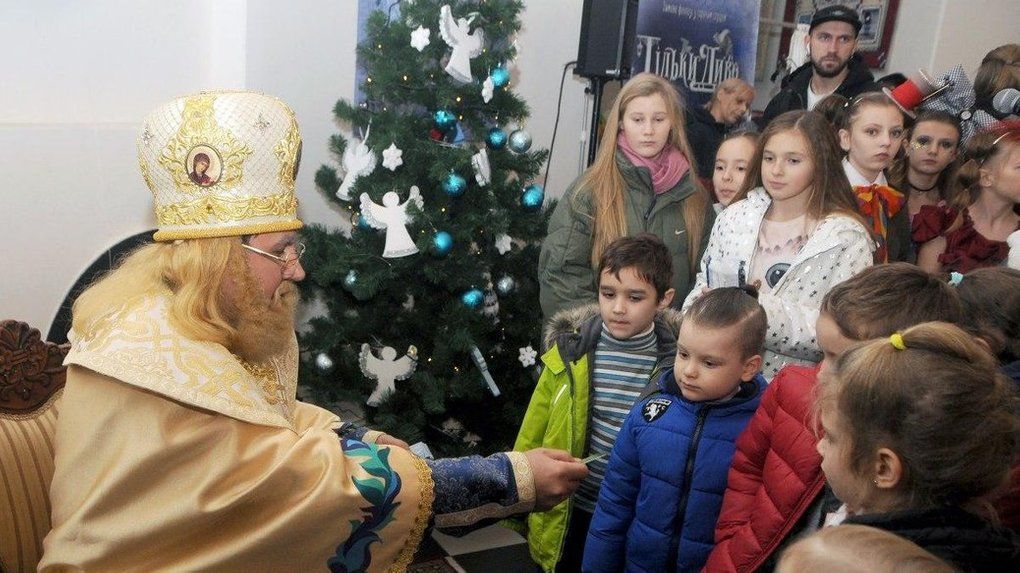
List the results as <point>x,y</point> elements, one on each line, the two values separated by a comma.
<point>194,270</point>
<point>941,404</point>
<point>846,548</point>
<point>604,181</point>
<point>730,86</point>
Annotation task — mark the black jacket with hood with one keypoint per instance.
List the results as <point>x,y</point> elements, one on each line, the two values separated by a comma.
<point>794,93</point>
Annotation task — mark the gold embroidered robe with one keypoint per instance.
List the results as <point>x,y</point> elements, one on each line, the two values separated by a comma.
<point>174,456</point>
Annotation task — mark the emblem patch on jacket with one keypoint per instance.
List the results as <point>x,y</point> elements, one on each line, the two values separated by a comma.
<point>655,408</point>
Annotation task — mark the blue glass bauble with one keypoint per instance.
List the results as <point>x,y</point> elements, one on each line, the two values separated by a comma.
<point>454,185</point>
<point>442,243</point>
<point>500,77</point>
<point>444,119</point>
<point>472,298</point>
<point>351,280</point>
<point>532,197</point>
<point>520,141</point>
<point>496,138</point>
<point>505,285</point>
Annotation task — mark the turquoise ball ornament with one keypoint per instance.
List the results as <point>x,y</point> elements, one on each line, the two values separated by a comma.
<point>496,138</point>
<point>358,220</point>
<point>500,77</point>
<point>351,280</point>
<point>444,119</point>
<point>520,141</point>
<point>442,243</point>
<point>472,298</point>
<point>533,197</point>
<point>454,185</point>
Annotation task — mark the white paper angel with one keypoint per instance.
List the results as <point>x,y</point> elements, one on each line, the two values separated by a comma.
<point>392,216</point>
<point>386,369</point>
<point>465,45</point>
<point>358,161</point>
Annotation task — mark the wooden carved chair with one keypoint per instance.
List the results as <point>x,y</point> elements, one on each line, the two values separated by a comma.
<point>31,383</point>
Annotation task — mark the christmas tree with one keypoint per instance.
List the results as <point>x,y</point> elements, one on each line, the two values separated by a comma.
<point>436,281</point>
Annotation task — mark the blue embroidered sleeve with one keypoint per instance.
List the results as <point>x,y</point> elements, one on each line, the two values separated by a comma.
<point>474,489</point>
<point>352,431</point>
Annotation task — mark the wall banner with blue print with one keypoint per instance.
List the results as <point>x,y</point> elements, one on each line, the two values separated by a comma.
<point>697,43</point>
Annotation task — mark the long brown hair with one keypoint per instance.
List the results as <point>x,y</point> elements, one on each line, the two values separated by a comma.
<point>980,149</point>
<point>830,189</point>
<point>939,401</point>
<point>604,181</point>
<point>1000,69</point>
<point>885,298</point>
<point>898,171</point>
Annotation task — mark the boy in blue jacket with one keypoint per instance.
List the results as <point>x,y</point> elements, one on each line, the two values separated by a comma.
<point>663,489</point>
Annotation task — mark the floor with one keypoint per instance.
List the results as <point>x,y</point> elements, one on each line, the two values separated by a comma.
<point>493,549</point>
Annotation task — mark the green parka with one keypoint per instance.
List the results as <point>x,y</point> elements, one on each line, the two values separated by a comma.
<point>566,278</point>
<point>559,412</point>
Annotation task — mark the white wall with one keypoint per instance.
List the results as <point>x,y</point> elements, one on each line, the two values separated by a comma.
<point>78,78</point>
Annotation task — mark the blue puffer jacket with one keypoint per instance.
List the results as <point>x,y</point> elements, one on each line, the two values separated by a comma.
<point>664,486</point>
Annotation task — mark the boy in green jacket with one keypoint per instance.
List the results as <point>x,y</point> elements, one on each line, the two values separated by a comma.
<point>598,363</point>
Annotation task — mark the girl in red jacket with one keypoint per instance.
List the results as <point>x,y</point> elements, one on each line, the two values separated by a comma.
<point>775,485</point>
<point>917,428</point>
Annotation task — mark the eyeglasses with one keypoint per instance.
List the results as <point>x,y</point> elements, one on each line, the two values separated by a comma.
<point>288,261</point>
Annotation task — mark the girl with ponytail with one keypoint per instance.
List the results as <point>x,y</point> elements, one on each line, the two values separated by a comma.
<point>918,427</point>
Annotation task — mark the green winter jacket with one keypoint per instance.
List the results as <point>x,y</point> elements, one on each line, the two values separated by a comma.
<point>566,278</point>
<point>558,414</point>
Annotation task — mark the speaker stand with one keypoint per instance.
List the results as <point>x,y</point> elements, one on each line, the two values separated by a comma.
<point>597,84</point>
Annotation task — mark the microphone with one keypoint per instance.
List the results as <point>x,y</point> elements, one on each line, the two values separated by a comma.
<point>1007,101</point>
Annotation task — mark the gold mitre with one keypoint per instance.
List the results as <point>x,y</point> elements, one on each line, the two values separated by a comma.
<point>221,163</point>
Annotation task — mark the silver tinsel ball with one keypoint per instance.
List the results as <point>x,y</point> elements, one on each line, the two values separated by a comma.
<point>520,141</point>
<point>323,362</point>
<point>505,285</point>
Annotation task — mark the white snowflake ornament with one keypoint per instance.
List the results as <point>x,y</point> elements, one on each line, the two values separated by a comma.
<point>527,356</point>
<point>420,38</point>
<point>392,157</point>
<point>503,244</point>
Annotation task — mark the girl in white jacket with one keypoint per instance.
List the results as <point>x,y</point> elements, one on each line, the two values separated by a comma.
<point>793,230</point>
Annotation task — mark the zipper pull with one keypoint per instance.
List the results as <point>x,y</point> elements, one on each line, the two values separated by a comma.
<point>648,213</point>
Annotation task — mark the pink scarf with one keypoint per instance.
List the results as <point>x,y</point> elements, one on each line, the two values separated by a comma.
<point>666,168</point>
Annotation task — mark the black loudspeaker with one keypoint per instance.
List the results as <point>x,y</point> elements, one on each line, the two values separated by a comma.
<point>606,49</point>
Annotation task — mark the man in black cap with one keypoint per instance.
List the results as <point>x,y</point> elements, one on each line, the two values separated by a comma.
<point>833,65</point>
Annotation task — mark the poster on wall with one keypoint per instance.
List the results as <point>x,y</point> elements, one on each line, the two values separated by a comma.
<point>366,7</point>
<point>697,43</point>
<point>878,18</point>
